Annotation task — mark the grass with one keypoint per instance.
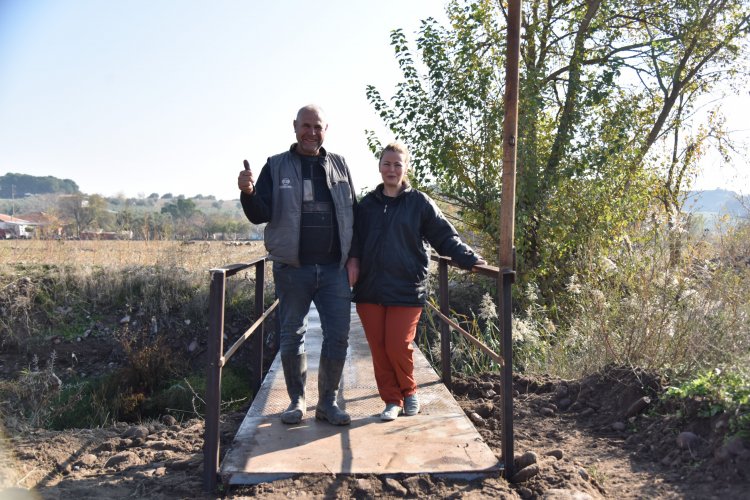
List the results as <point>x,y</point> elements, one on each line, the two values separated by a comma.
<point>194,257</point>
<point>62,288</point>
<point>69,289</point>
<point>682,314</point>
<point>636,306</point>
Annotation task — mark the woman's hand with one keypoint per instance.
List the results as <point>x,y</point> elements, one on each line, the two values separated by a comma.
<point>352,269</point>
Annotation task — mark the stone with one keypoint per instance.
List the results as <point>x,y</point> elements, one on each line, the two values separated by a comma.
<point>619,426</point>
<point>735,445</point>
<point>525,460</point>
<point>687,440</point>
<point>547,412</point>
<point>476,418</point>
<point>123,460</point>
<point>136,432</point>
<point>413,485</point>
<point>637,407</point>
<point>524,492</point>
<point>557,453</point>
<point>106,446</point>
<point>158,445</point>
<point>525,474</point>
<point>721,454</point>
<point>587,412</point>
<point>168,420</point>
<point>395,487</point>
<point>565,494</point>
<point>485,409</point>
<point>86,460</point>
<point>363,484</point>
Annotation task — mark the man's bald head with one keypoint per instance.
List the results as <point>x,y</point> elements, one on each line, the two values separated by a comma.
<point>310,128</point>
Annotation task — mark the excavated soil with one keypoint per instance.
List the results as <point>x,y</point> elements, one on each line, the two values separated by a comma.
<point>608,435</point>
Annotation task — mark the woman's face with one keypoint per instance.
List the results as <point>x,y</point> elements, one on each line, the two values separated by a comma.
<point>393,169</point>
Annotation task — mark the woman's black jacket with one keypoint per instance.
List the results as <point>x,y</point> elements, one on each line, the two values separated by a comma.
<point>391,236</point>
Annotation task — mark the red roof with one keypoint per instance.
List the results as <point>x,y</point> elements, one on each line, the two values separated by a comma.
<point>38,217</point>
<point>8,218</point>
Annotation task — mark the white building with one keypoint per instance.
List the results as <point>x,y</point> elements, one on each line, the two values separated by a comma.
<point>13,227</point>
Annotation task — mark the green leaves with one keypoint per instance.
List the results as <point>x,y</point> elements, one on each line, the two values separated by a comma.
<point>719,391</point>
<point>602,84</point>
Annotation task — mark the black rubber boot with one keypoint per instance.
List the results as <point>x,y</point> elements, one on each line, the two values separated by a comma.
<point>329,376</point>
<point>295,375</point>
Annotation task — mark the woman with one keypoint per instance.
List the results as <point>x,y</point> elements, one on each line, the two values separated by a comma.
<point>389,274</point>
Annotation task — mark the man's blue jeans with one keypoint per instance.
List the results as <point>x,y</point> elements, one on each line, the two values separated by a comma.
<point>328,287</point>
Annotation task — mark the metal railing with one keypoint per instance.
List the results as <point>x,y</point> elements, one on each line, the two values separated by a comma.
<point>217,358</point>
<point>505,279</point>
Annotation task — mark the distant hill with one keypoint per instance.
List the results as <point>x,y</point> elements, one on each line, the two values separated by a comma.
<point>715,201</point>
<point>20,185</point>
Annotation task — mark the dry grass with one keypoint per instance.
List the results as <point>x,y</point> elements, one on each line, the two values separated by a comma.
<point>50,287</point>
<point>193,257</point>
<point>84,289</point>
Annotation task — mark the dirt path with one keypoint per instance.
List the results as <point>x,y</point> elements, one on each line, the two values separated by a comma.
<point>577,438</point>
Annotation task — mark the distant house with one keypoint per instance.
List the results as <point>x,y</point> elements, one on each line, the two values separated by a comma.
<point>41,218</point>
<point>106,235</point>
<point>47,226</point>
<point>14,227</point>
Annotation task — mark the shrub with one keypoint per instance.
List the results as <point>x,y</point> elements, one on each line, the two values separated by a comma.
<point>717,392</point>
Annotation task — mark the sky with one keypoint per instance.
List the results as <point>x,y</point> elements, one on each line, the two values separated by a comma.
<point>170,96</point>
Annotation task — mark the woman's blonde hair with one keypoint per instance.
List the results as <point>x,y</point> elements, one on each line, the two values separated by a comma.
<point>396,147</point>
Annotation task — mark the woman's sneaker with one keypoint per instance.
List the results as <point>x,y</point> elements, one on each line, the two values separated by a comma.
<point>391,412</point>
<point>411,405</point>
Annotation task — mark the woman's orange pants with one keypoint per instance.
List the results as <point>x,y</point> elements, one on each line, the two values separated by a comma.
<point>390,330</point>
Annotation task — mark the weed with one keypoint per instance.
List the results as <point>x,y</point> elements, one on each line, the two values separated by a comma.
<point>597,475</point>
<point>717,392</point>
<point>67,288</point>
<point>28,398</point>
<point>641,307</point>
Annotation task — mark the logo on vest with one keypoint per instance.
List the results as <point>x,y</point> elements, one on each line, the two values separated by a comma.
<point>286,183</point>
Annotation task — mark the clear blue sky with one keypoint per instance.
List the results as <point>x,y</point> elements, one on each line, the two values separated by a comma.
<point>145,96</point>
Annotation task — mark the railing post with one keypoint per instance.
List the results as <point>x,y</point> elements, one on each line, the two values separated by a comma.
<point>215,346</point>
<point>256,341</point>
<point>506,315</point>
<point>445,333</point>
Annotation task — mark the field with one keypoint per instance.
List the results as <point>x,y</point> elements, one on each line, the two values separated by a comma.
<point>102,350</point>
<point>194,256</point>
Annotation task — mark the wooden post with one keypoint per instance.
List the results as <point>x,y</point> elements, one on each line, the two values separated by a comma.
<point>507,225</point>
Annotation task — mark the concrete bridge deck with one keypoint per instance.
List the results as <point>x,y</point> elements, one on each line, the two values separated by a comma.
<point>440,440</point>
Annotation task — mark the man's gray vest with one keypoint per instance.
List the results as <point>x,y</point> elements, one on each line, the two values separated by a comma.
<point>282,233</point>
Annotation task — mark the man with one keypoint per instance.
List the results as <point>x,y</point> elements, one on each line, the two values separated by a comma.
<point>307,198</point>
